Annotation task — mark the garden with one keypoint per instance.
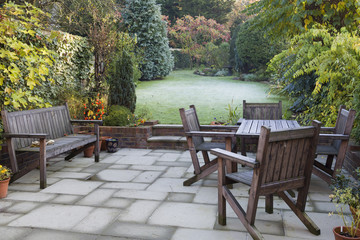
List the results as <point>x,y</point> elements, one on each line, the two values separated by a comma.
<point>126,62</point>
<point>98,57</point>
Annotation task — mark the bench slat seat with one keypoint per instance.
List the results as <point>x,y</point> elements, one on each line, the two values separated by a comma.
<point>54,123</point>
<point>63,144</point>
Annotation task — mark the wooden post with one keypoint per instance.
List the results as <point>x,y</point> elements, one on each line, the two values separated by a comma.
<point>43,163</point>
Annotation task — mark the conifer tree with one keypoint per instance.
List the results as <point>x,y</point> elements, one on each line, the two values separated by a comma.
<point>143,21</point>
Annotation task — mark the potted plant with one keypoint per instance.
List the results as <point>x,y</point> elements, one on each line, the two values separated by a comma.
<point>346,192</point>
<point>5,174</point>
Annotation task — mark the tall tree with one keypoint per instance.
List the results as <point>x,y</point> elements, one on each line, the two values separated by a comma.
<point>143,20</point>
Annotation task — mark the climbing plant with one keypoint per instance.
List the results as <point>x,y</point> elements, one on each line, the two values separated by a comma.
<point>25,56</point>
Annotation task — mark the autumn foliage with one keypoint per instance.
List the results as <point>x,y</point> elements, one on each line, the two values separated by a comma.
<point>193,34</point>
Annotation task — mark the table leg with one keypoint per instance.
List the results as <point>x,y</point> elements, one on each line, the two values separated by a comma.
<point>231,167</point>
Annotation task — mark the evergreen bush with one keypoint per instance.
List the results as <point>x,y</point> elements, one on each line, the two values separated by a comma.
<point>253,49</point>
<point>181,60</point>
<point>118,116</point>
<point>120,78</point>
<point>143,20</point>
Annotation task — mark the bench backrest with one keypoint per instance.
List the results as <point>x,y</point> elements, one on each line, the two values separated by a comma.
<point>54,121</point>
<point>268,111</point>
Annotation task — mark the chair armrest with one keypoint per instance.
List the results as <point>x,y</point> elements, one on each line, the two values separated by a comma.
<point>26,135</point>
<point>334,137</point>
<point>87,121</point>
<point>327,129</point>
<point>218,127</point>
<point>210,134</point>
<point>234,157</point>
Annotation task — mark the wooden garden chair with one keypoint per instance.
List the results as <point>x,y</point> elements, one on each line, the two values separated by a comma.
<point>195,134</point>
<point>339,139</point>
<point>284,161</point>
<point>263,111</point>
<point>267,111</point>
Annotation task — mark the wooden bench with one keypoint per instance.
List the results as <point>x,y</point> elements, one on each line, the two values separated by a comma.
<point>24,127</point>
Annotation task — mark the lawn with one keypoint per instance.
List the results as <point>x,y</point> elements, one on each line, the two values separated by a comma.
<point>210,95</point>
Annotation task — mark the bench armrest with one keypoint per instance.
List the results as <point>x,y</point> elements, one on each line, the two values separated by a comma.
<point>219,127</point>
<point>87,121</point>
<point>26,135</point>
<point>210,134</point>
<point>334,137</point>
<point>234,157</point>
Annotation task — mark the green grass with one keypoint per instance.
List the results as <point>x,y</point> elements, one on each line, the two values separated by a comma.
<point>210,95</point>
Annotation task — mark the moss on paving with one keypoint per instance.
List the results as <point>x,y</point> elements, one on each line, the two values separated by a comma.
<point>210,95</point>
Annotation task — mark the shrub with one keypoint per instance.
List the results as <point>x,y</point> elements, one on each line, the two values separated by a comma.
<point>181,59</point>
<point>120,78</point>
<point>25,57</point>
<point>143,20</point>
<point>254,50</point>
<point>118,116</point>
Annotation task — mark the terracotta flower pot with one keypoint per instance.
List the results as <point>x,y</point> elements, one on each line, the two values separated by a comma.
<point>88,152</point>
<point>4,184</point>
<point>338,236</point>
<point>103,143</point>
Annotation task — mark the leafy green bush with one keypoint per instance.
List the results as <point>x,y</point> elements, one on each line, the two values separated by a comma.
<point>143,20</point>
<point>25,57</point>
<point>72,69</point>
<point>254,50</point>
<point>120,78</point>
<point>181,60</point>
<point>331,59</point>
<point>118,116</point>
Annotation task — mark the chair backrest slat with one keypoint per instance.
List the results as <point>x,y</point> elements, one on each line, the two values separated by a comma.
<point>54,121</point>
<point>191,123</point>
<point>343,124</point>
<point>271,111</point>
<point>288,156</point>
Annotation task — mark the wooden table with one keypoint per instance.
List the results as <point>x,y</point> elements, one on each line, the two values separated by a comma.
<point>250,128</point>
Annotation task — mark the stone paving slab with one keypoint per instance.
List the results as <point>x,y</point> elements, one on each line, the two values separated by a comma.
<point>138,194</point>
<point>53,216</point>
<point>72,186</point>
<point>184,215</point>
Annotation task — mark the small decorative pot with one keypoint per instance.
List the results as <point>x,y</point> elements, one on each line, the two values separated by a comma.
<point>88,152</point>
<point>4,184</point>
<point>112,144</point>
<point>338,236</point>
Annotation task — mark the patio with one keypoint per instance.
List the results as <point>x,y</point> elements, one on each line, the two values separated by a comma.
<point>138,194</point>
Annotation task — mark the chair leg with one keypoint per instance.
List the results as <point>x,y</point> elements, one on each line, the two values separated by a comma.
<point>244,217</point>
<point>329,161</point>
<point>203,172</point>
<point>309,224</point>
<point>205,156</point>
<point>269,203</point>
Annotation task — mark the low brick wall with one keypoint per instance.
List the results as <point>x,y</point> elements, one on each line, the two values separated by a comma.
<point>129,137</point>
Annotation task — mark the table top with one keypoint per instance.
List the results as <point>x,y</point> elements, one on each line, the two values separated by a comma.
<point>252,127</point>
